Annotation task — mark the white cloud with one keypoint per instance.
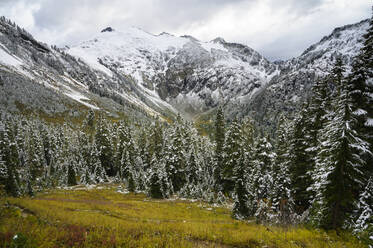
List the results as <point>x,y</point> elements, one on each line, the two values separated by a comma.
<point>278,29</point>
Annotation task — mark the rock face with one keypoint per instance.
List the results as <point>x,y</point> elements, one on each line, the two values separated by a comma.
<point>35,77</point>
<point>288,90</point>
<point>190,75</point>
<point>135,72</point>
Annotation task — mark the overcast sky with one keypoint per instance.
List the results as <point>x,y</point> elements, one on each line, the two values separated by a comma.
<point>279,29</point>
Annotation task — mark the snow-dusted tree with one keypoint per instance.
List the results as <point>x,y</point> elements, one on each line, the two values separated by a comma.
<point>281,201</point>
<point>247,130</point>
<point>159,185</point>
<point>35,154</point>
<point>361,91</point>
<point>176,157</point>
<point>89,122</point>
<point>339,164</point>
<point>124,144</point>
<point>155,184</point>
<point>232,149</point>
<point>364,210</point>
<point>219,136</point>
<point>300,163</point>
<point>71,177</point>
<point>260,177</point>
<point>241,204</point>
<point>10,178</point>
<point>98,174</point>
<point>104,145</point>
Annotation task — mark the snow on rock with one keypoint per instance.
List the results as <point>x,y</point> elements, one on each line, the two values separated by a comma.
<point>156,65</point>
<point>7,59</point>
<point>77,96</point>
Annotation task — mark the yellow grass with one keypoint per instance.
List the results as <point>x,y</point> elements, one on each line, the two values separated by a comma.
<point>105,218</point>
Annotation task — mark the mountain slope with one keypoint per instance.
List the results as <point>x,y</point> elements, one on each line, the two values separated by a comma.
<point>37,78</point>
<point>139,74</point>
<point>190,75</point>
<point>286,92</point>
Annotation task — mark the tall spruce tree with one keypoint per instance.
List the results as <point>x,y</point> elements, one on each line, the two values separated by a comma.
<point>281,201</point>
<point>361,91</point>
<point>176,157</point>
<point>104,145</point>
<point>364,210</point>
<point>219,145</point>
<point>339,164</point>
<point>260,177</point>
<point>8,147</point>
<point>241,208</point>
<point>300,162</point>
<point>232,150</point>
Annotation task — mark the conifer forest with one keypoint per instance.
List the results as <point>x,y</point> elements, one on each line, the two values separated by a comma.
<point>312,169</point>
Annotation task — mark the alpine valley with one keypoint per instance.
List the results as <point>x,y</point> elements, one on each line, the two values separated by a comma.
<point>131,139</point>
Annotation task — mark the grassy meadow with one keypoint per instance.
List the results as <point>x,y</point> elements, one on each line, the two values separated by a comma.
<point>103,217</point>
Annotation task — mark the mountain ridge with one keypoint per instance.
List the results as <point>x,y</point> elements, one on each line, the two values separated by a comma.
<point>163,75</point>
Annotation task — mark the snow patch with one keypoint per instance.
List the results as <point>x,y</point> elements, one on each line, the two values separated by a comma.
<point>8,59</point>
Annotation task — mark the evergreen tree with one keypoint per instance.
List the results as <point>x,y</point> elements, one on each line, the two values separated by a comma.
<point>361,92</point>
<point>71,177</point>
<point>159,183</point>
<point>219,145</point>
<point>339,164</point>
<point>300,163</point>
<point>35,155</point>
<point>364,210</point>
<point>247,130</point>
<point>176,158</point>
<point>103,142</point>
<point>155,185</point>
<point>260,178</point>
<point>281,201</point>
<point>232,150</point>
<point>124,145</point>
<point>8,148</point>
<point>241,204</point>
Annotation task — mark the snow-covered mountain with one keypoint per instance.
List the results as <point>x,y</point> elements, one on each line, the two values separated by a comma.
<point>134,72</point>
<point>287,91</point>
<point>38,78</point>
<point>190,75</point>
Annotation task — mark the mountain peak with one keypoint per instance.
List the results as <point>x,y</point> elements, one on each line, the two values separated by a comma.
<point>219,40</point>
<point>108,29</point>
<point>189,37</point>
<point>165,34</point>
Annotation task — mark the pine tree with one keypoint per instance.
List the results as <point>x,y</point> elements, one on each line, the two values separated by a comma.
<point>71,177</point>
<point>260,177</point>
<point>176,158</point>
<point>300,163</point>
<point>158,181</point>
<point>124,145</point>
<point>155,186</point>
<point>361,91</point>
<point>281,201</point>
<point>247,130</point>
<point>364,210</point>
<point>35,155</point>
<point>339,164</point>
<point>241,204</point>
<point>8,147</point>
<point>232,149</point>
<point>89,122</point>
<point>219,145</point>
<point>103,142</point>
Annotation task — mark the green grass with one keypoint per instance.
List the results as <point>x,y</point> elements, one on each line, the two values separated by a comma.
<point>105,218</point>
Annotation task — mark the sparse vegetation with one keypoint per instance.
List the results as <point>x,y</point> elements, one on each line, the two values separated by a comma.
<point>102,217</point>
